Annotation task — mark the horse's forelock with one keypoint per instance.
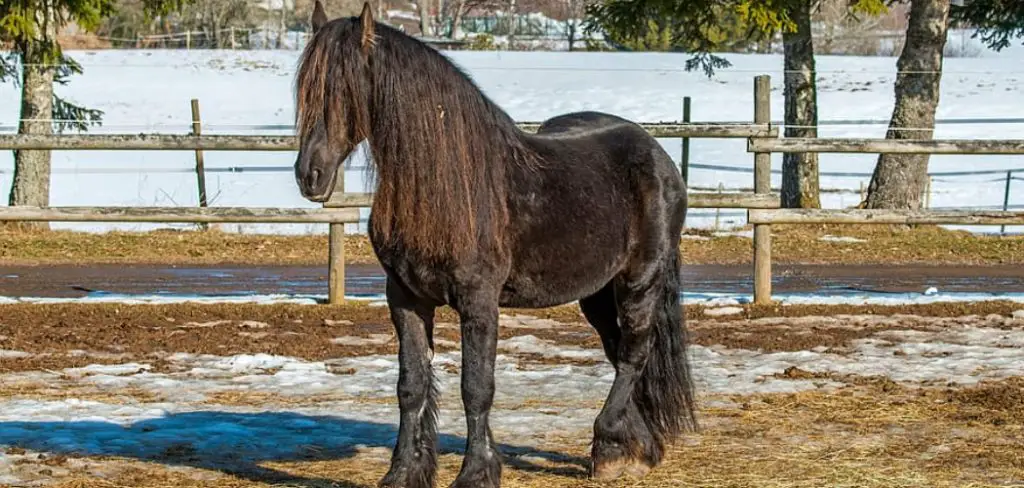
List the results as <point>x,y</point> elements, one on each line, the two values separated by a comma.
<point>321,94</point>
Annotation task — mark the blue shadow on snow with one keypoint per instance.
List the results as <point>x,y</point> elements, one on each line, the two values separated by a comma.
<point>236,443</point>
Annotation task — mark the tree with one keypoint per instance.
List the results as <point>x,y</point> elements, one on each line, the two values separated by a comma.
<point>800,176</point>
<point>997,21</point>
<point>571,12</point>
<point>425,18</point>
<point>30,28</point>
<point>701,26</point>
<point>800,187</point>
<point>900,179</point>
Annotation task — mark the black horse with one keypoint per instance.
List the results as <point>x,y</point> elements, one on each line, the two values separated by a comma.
<point>473,213</point>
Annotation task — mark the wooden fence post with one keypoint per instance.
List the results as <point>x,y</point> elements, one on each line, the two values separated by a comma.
<point>684,160</point>
<point>1006,199</point>
<point>197,130</point>
<point>336,253</point>
<point>762,184</point>
<point>718,211</point>
<point>928,194</point>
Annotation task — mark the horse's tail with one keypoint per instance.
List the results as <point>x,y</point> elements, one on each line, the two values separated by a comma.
<point>664,393</point>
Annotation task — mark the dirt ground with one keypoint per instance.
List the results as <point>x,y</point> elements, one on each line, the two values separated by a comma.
<point>868,430</point>
<point>133,332</point>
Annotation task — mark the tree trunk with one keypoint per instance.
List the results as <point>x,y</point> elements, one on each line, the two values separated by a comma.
<point>570,30</point>
<point>460,11</point>
<point>424,7</point>
<point>900,179</point>
<point>31,185</point>
<point>512,25</point>
<point>800,170</point>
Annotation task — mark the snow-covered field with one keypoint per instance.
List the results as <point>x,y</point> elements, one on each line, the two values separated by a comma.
<point>251,93</point>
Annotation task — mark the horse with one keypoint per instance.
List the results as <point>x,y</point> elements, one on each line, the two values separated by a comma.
<point>472,213</point>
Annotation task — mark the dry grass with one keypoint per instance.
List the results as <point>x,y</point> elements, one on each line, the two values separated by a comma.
<point>64,391</point>
<point>876,434</point>
<point>792,245</point>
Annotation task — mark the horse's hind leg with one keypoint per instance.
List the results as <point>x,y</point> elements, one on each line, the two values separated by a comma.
<point>651,400</point>
<point>413,463</point>
<point>602,313</point>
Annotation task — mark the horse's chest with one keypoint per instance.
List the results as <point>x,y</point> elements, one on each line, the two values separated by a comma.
<point>423,281</point>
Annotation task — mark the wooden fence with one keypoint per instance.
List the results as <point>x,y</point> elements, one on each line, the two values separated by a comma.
<point>762,205</point>
<point>342,207</point>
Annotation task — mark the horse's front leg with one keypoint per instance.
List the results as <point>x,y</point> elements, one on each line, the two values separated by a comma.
<point>414,461</point>
<point>481,467</point>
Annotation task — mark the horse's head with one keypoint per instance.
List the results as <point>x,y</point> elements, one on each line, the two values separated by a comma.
<point>332,91</point>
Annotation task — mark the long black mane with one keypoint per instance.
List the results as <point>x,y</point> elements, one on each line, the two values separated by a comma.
<point>440,146</point>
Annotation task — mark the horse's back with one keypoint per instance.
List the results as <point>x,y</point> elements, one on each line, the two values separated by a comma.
<point>578,122</point>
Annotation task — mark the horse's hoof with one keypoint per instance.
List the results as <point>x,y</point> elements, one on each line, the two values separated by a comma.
<point>616,468</point>
<point>608,470</point>
<point>638,469</point>
<point>404,478</point>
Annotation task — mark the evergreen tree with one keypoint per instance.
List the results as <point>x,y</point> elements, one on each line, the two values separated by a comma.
<point>997,21</point>
<point>35,62</point>
<point>705,26</point>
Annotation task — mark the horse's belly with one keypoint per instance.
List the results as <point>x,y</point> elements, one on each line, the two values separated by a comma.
<point>558,281</point>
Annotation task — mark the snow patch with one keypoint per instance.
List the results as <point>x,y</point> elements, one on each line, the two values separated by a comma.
<point>7,354</point>
<point>532,345</point>
<point>717,312</point>
<point>372,340</point>
<point>831,238</point>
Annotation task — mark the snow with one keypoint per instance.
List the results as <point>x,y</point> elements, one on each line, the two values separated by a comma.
<point>533,345</point>
<point>716,312</point>
<point>563,398</point>
<point>5,354</point>
<point>313,410</point>
<point>844,239</point>
<point>250,92</point>
<point>373,339</point>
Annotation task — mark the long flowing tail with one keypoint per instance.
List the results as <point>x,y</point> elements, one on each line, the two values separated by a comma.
<point>664,393</point>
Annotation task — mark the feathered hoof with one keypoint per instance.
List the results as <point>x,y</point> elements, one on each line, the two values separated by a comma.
<point>612,469</point>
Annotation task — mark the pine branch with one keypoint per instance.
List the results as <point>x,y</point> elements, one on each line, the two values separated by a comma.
<point>67,115</point>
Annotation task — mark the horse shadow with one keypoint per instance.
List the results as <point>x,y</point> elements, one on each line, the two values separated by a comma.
<point>237,443</point>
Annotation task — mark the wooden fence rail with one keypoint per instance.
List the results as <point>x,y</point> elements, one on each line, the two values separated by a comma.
<point>884,217</point>
<point>695,200</point>
<point>184,142</point>
<point>890,146</point>
<point>181,214</point>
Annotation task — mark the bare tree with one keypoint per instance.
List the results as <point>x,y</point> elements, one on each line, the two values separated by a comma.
<point>513,22</point>
<point>425,19</point>
<point>899,179</point>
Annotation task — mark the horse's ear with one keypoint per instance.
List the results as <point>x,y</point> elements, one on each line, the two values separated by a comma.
<point>366,19</point>
<point>319,16</point>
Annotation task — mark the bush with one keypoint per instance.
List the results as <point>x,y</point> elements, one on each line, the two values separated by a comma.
<point>482,42</point>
